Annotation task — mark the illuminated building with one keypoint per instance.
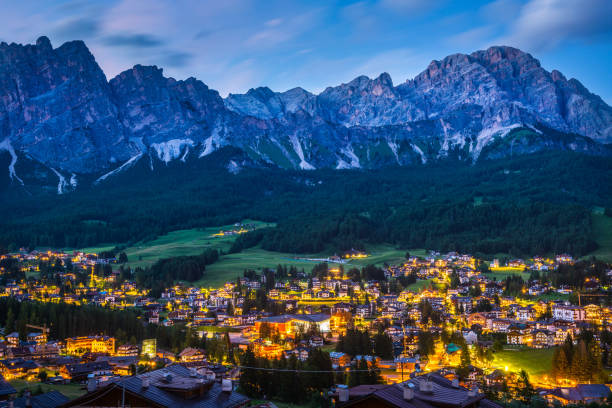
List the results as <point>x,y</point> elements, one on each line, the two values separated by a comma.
<point>149,348</point>
<point>93,344</point>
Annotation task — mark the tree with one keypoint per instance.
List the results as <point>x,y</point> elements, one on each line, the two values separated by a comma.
<point>383,346</point>
<point>122,258</point>
<point>426,343</point>
<point>525,390</point>
<point>248,376</point>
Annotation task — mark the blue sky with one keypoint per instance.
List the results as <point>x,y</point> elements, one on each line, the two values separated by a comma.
<point>233,45</point>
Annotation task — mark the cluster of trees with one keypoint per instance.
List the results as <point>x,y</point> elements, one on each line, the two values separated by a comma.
<point>575,274</point>
<point>519,210</point>
<point>357,342</point>
<point>65,320</point>
<point>581,362</point>
<point>287,380</point>
<point>429,314</point>
<point>165,272</point>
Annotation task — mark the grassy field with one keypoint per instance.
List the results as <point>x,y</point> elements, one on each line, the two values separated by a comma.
<point>419,285</point>
<point>502,272</point>
<point>602,229</point>
<point>535,362</point>
<point>69,390</point>
<point>231,266</point>
<point>384,253</point>
<point>178,243</point>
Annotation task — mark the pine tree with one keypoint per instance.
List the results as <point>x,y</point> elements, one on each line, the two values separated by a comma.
<point>9,327</point>
<point>525,389</point>
<point>248,376</point>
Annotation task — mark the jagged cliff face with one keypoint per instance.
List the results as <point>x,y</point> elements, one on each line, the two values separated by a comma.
<point>57,108</point>
<point>56,105</point>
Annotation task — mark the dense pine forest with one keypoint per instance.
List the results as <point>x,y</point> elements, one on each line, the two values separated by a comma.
<point>528,205</point>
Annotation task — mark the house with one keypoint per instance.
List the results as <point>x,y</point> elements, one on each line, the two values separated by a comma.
<point>6,389</point>
<point>17,368</point>
<point>192,355</point>
<point>339,359</point>
<point>38,338</point>
<point>128,350</point>
<point>316,341</point>
<point>525,313</point>
<point>431,391</point>
<point>568,313</point>
<point>517,334</point>
<point>580,394</point>
<point>173,386</point>
<point>543,338</point>
<point>13,339</point>
<point>80,371</point>
<point>51,399</point>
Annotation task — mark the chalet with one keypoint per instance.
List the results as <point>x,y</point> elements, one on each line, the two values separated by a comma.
<point>580,394</point>
<point>13,339</point>
<point>543,338</point>
<point>525,313</point>
<point>128,350</point>
<point>568,313</point>
<point>423,391</point>
<point>51,399</point>
<point>6,389</point>
<point>174,386</point>
<point>339,359</point>
<point>190,355</point>
<point>518,334</point>
<point>18,368</point>
<point>38,338</point>
<point>80,372</point>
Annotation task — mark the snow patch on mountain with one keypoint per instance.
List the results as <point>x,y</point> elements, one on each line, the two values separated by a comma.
<point>6,145</point>
<point>349,153</point>
<point>342,165</point>
<point>233,167</point>
<point>62,184</point>
<point>394,148</point>
<point>73,181</point>
<point>172,149</point>
<point>297,147</point>
<point>119,169</point>
<point>420,152</point>
<point>487,135</point>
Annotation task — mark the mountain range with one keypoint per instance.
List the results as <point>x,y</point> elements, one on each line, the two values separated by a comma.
<point>61,116</point>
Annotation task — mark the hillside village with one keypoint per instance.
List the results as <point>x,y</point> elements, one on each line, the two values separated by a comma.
<point>445,313</point>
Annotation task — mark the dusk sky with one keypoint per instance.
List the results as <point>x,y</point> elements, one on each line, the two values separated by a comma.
<point>233,45</point>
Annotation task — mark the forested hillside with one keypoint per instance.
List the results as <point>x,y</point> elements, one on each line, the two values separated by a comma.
<point>528,205</point>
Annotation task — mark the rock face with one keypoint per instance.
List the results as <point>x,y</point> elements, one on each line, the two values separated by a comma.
<point>57,107</point>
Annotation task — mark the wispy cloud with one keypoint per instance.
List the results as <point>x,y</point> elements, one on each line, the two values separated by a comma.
<point>544,24</point>
<point>133,40</point>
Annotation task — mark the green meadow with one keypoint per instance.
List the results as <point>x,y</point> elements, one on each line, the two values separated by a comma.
<point>536,362</point>
<point>602,231</point>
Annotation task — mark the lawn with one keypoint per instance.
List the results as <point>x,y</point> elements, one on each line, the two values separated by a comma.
<point>70,390</point>
<point>231,266</point>
<point>602,231</point>
<point>385,253</point>
<point>535,361</point>
<point>502,272</point>
<point>419,285</point>
<point>178,243</point>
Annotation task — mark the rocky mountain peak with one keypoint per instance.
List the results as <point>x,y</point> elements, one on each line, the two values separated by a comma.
<point>43,43</point>
<point>57,106</point>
